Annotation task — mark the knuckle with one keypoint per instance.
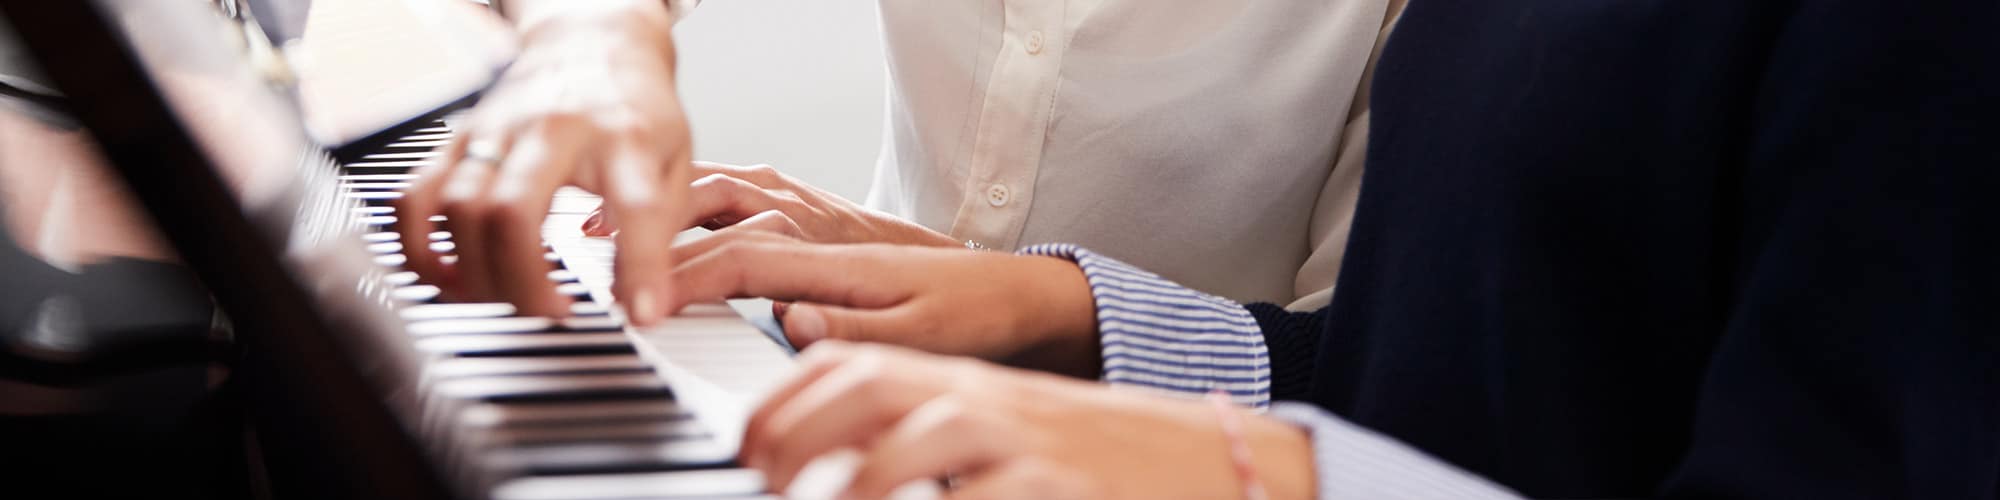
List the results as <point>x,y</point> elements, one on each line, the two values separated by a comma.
<point>712,181</point>
<point>763,172</point>
<point>873,382</point>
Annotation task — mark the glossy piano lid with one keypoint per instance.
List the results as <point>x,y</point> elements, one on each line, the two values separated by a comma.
<point>366,67</point>
<point>220,157</point>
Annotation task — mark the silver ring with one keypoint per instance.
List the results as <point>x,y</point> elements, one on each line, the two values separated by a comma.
<point>485,150</point>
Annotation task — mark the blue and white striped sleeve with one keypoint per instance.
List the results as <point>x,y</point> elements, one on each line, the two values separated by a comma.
<point>1158,335</point>
<point>1354,463</point>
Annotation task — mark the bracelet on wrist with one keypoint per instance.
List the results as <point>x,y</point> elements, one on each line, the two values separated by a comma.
<point>1239,446</point>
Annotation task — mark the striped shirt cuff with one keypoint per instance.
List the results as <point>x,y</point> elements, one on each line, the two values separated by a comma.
<point>1158,335</point>
<point>1352,462</point>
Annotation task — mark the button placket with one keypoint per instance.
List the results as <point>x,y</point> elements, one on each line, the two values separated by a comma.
<point>1014,120</point>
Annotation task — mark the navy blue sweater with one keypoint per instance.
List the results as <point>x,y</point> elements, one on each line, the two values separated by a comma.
<point>1677,248</point>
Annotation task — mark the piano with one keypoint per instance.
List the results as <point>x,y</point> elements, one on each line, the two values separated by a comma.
<point>352,359</point>
<point>548,408</point>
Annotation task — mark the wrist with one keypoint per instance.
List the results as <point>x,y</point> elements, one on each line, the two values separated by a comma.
<point>529,14</point>
<point>646,25</point>
<point>1282,455</point>
<point>1061,314</point>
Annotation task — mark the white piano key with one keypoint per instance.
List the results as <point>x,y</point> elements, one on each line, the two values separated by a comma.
<point>391,260</point>
<point>528,386</point>
<point>422,312</point>
<point>414,155</point>
<point>611,456</point>
<point>588,309</point>
<point>493,415</point>
<point>373,195</point>
<point>676,484</point>
<point>668,430</point>
<point>378,177</point>
<point>400,278</point>
<point>385,247</point>
<point>415,293</point>
<point>380,236</point>
<point>387,164</point>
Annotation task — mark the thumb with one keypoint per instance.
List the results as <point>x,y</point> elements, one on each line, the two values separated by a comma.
<point>808,323</point>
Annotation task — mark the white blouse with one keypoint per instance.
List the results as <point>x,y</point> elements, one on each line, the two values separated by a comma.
<point>1209,142</point>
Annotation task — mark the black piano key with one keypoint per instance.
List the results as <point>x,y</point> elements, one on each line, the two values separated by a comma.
<point>527,344</point>
<point>554,388</point>
<point>514,324</point>
<point>613,457</point>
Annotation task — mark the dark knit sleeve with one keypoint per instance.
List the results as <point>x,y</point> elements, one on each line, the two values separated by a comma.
<point>1292,340</point>
<point>1863,350</point>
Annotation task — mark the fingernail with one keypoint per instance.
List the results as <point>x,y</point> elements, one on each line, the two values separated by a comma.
<point>642,306</point>
<point>804,323</point>
<point>778,310</point>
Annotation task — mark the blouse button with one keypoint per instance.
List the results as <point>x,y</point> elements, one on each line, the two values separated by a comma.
<point>996,195</point>
<point>1034,42</point>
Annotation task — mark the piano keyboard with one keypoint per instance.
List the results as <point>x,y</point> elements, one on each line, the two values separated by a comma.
<point>526,408</point>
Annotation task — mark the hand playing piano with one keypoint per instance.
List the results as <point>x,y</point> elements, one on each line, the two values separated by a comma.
<point>998,432</point>
<point>761,198</point>
<point>589,102</point>
<point>1035,312</point>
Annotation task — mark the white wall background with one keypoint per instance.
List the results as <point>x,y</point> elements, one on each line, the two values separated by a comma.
<point>797,84</point>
